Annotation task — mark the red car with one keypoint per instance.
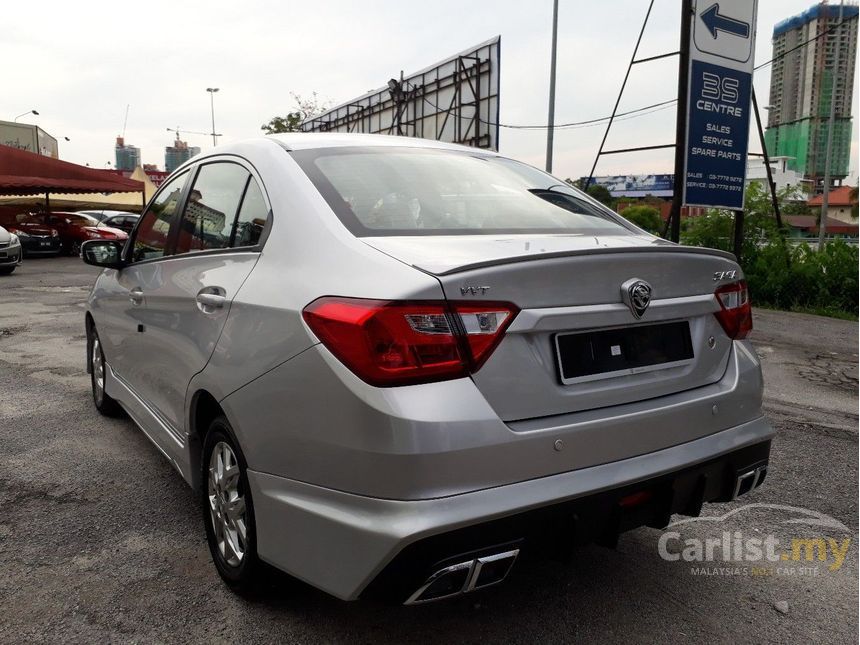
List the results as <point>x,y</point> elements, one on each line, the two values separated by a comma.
<point>37,237</point>
<point>77,228</point>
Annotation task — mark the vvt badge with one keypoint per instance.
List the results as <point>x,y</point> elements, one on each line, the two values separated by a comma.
<point>636,294</point>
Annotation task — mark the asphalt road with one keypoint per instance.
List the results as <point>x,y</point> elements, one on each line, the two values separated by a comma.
<point>100,539</point>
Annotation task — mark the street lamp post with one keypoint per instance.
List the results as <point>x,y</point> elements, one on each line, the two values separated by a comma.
<point>550,131</point>
<point>15,120</point>
<point>212,91</point>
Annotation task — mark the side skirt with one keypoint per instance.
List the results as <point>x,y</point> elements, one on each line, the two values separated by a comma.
<point>163,436</point>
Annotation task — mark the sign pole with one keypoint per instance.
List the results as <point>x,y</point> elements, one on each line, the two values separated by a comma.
<point>739,234</point>
<point>681,121</point>
<point>771,184</point>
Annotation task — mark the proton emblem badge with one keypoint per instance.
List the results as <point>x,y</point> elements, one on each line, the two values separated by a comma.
<point>636,294</point>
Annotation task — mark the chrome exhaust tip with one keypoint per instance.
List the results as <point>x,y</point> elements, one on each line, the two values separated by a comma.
<point>465,577</point>
<point>492,569</point>
<point>749,480</point>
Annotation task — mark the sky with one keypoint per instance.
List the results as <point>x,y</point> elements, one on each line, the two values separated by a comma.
<point>79,64</point>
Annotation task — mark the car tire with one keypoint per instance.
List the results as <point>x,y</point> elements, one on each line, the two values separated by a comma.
<point>227,508</point>
<point>106,405</point>
<point>75,248</point>
<point>7,270</point>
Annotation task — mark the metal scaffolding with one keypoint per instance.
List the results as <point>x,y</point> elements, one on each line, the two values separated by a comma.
<point>455,100</point>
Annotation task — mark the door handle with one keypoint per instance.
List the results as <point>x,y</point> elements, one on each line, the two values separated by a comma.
<point>210,299</point>
<point>213,300</point>
<point>136,296</point>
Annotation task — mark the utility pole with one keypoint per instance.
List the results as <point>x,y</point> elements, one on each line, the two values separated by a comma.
<point>212,91</point>
<point>551,119</point>
<point>822,221</point>
<point>681,121</point>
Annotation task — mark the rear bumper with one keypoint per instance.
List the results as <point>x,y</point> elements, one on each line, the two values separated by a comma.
<point>312,420</point>
<point>348,544</point>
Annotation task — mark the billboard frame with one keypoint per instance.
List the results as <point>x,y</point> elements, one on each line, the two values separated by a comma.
<point>454,100</point>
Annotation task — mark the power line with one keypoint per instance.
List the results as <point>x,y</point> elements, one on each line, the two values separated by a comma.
<point>630,114</point>
<point>598,121</point>
<point>574,124</point>
<point>804,44</point>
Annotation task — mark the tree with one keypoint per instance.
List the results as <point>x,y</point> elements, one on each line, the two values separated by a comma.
<point>645,217</point>
<point>601,194</point>
<point>715,229</point>
<point>305,108</point>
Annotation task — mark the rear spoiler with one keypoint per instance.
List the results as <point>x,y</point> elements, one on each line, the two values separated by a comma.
<point>661,248</point>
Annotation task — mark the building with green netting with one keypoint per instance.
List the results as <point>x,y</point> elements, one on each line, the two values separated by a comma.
<point>805,49</point>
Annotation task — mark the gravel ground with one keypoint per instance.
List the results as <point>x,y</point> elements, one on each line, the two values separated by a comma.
<point>101,540</point>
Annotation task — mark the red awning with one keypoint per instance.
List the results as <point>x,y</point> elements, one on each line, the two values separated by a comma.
<point>26,173</point>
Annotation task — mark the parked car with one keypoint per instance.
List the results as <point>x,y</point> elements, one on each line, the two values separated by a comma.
<point>124,221</point>
<point>10,251</point>
<point>76,228</point>
<point>391,364</point>
<point>36,237</point>
<point>102,215</point>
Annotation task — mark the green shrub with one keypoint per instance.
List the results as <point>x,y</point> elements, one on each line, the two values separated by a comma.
<point>645,217</point>
<point>802,278</point>
<point>780,275</point>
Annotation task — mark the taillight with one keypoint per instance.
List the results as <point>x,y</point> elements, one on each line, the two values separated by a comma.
<point>735,314</point>
<point>389,343</point>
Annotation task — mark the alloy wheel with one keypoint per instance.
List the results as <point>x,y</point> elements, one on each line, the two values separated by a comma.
<point>98,367</point>
<point>227,504</point>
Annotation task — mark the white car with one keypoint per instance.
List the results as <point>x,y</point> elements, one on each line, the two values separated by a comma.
<point>10,252</point>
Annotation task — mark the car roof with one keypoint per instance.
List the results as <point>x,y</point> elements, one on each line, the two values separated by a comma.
<point>311,140</point>
<point>294,141</point>
<point>106,211</point>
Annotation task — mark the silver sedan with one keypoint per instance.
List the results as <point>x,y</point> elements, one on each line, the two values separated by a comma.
<point>391,365</point>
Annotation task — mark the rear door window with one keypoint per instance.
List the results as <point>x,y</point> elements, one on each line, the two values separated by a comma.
<point>252,217</point>
<point>213,203</point>
<point>150,241</point>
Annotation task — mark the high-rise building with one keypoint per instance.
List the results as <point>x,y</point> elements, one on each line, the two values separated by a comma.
<point>177,154</point>
<point>800,90</point>
<point>127,156</point>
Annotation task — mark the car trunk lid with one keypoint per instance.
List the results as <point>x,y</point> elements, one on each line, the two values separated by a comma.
<point>576,344</point>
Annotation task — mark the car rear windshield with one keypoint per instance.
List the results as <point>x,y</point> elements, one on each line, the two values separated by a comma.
<point>420,191</point>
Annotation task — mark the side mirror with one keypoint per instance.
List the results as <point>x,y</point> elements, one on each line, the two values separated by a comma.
<point>103,253</point>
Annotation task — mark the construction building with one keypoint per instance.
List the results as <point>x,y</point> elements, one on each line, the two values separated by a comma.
<point>806,50</point>
<point>177,154</point>
<point>127,156</point>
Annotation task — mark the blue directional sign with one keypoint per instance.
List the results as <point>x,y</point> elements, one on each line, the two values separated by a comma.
<point>718,120</point>
<point>715,21</point>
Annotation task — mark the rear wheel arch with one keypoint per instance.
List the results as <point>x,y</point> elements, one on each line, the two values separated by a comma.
<point>89,325</point>
<point>203,410</point>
